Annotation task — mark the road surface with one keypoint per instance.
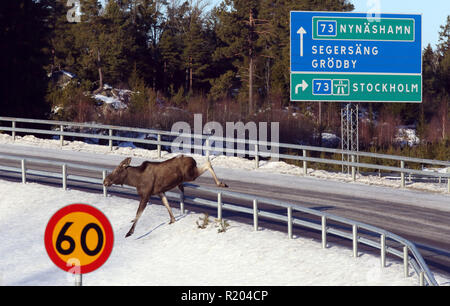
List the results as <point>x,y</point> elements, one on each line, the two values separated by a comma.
<point>421,217</point>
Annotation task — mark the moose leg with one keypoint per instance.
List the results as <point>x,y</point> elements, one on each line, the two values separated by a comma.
<point>207,167</point>
<point>166,204</point>
<point>142,205</point>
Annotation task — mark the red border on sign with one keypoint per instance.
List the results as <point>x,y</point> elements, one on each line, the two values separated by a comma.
<point>109,237</point>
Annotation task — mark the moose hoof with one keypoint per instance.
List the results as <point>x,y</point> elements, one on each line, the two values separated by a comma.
<point>172,221</point>
<point>129,234</point>
<point>223,185</point>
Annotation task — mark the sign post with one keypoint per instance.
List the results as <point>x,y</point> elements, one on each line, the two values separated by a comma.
<point>79,239</point>
<point>347,57</point>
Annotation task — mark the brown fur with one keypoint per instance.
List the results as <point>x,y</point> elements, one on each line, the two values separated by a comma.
<point>152,178</point>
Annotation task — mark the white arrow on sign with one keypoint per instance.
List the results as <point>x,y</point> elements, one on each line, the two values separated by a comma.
<point>302,32</point>
<point>303,85</point>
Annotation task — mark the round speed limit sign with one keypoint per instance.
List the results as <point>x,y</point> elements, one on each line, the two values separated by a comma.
<point>79,235</point>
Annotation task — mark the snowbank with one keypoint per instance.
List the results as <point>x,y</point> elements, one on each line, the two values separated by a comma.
<point>177,254</point>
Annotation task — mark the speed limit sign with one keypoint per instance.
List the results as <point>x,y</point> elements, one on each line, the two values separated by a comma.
<point>79,235</point>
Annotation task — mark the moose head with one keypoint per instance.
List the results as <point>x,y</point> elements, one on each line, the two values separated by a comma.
<point>119,174</point>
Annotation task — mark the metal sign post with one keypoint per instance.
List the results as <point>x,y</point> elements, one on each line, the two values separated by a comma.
<point>78,280</point>
<point>349,133</point>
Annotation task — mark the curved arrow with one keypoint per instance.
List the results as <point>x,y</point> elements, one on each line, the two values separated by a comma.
<point>303,85</point>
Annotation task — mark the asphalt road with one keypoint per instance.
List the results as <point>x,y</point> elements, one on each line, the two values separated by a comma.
<point>427,227</point>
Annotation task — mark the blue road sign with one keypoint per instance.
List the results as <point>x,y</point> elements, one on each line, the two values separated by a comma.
<point>352,44</point>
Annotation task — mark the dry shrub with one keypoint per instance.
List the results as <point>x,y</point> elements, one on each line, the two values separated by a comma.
<point>386,129</point>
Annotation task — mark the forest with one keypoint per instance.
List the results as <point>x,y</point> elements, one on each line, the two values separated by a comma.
<point>229,62</point>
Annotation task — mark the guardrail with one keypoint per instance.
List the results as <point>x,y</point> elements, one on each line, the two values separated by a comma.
<point>202,143</point>
<point>360,233</point>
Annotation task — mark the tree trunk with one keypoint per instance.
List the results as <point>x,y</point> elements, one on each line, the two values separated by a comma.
<point>250,70</point>
<point>250,87</point>
<point>190,73</point>
<point>100,73</point>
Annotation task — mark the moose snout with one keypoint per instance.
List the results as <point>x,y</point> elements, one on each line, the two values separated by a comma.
<point>107,182</point>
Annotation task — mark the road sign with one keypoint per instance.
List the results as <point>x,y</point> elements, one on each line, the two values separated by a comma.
<point>79,235</point>
<point>347,57</point>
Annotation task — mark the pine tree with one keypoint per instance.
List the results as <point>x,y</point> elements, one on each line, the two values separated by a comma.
<point>237,32</point>
<point>256,34</point>
<point>196,54</point>
<point>443,51</point>
<point>171,45</point>
<point>106,42</point>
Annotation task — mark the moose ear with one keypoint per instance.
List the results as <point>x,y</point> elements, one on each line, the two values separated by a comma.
<point>125,163</point>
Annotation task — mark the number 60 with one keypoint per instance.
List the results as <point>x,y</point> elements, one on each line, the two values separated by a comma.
<point>63,237</point>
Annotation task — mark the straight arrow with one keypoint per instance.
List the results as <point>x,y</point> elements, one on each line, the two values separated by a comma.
<point>302,32</point>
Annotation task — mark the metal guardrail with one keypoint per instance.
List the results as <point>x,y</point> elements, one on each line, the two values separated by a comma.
<point>361,233</point>
<point>202,143</point>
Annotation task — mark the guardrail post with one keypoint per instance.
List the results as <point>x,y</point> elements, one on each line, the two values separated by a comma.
<point>355,240</point>
<point>422,279</point>
<point>324,232</point>
<point>255,215</point>
<point>448,184</point>
<point>219,206</point>
<point>405,261</point>
<point>305,165</point>
<point>24,170</point>
<point>207,148</point>
<point>61,137</point>
<point>182,202</point>
<point>383,250</point>
<point>289,215</point>
<point>256,155</point>
<point>78,280</point>
<point>402,174</point>
<point>13,133</point>
<point>105,190</point>
<point>64,176</point>
<point>158,146</point>
<point>110,140</point>
<point>353,169</point>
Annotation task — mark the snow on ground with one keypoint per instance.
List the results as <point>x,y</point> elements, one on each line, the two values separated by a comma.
<point>228,162</point>
<point>407,136</point>
<point>177,254</point>
<point>116,103</point>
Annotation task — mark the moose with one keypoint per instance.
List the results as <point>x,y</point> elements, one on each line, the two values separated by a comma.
<point>155,178</point>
